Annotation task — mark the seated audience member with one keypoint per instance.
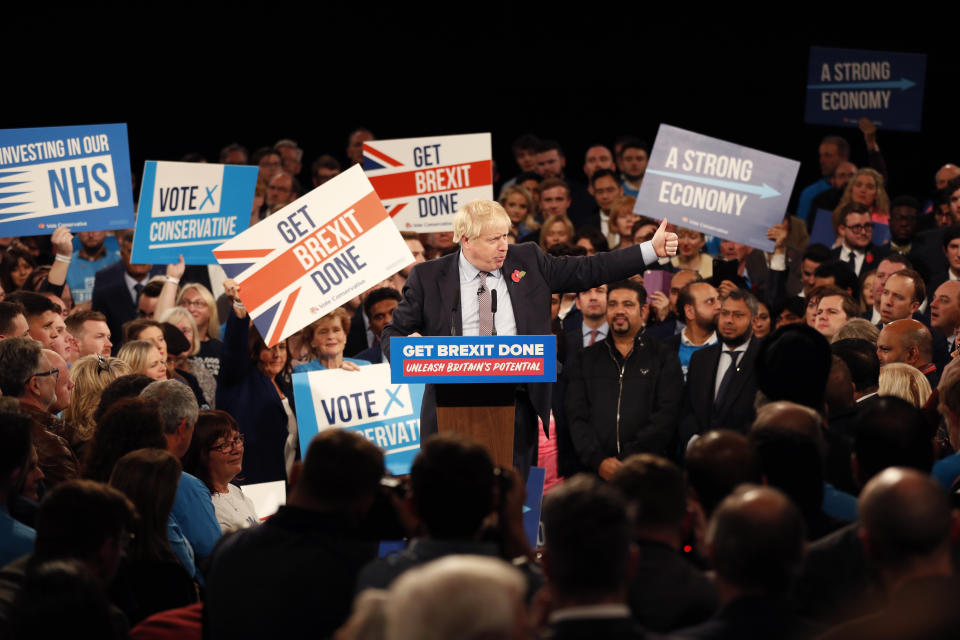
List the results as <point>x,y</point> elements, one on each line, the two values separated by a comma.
<point>254,387</point>
<point>890,264</point>
<point>193,514</point>
<point>129,424</point>
<point>591,239</point>
<point>908,341</point>
<point>903,293</point>
<point>520,206</point>
<point>857,328</point>
<point>460,596</point>
<point>42,316</point>
<point>556,229</point>
<point>793,364</point>
<point>28,375</point>
<point>755,542</point>
<point>215,457</point>
<point>128,386</point>
<point>90,330</point>
<point>905,527</point>
<point>451,492</point>
<point>314,534</point>
<point>150,579</point>
<point>835,308</point>
<point>99,519</point>
<point>716,464</point>
<point>13,322</point>
<point>586,560</point>
<point>834,273</point>
<point>378,307</point>
<point>89,376</point>
<point>861,359</point>
<point>16,538</point>
<point>835,584</point>
<point>904,381</point>
<point>666,591</point>
<point>143,356</point>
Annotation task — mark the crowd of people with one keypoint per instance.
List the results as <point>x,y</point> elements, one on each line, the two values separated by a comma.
<point>739,443</point>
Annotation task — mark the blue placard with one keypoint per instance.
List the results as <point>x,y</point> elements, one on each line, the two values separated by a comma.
<point>462,359</point>
<point>717,187</point>
<point>365,402</point>
<point>532,503</point>
<point>844,85</point>
<point>188,208</point>
<point>76,177</point>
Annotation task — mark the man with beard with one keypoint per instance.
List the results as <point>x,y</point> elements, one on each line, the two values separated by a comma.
<point>720,382</point>
<point>698,305</point>
<point>633,164</point>
<point>624,392</point>
<point>92,256</point>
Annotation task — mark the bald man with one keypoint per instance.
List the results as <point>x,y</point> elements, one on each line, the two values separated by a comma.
<point>945,174</point>
<point>945,311</point>
<point>905,528</point>
<point>910,342</point>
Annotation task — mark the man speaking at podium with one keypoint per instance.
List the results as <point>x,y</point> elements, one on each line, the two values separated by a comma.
<point>490,284</point>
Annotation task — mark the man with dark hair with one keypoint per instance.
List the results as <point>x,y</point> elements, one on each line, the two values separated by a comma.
<point>698,307</point>
<point>16,538</point>
<point>234,153</point>
<point>593,326</point>
<point>860,356</point>
<point>355,144</point>
<point>324,168</point>
<point>587,560</point>
<point>793,364</point>
<point>554,197</point>
<point>452,491</point>
<point>664,312</point>
<point>889,265</point>
<point>717,463</point>
<point>903,293</point>
<point>378,306</point>
<point>813,256</point>
<point>524,151</point>
<point>147,303</point>
<point>90,330</point>
<point>598,157</point>
<point>857,248</point>
<point>904,218</point>
<point>905,527</point>
<point>720,389</point>
<point>41,314</point>
<point>606,189</point>
<point>13,321</point>
<point>623,393</point>
<point>634,154</point>
<point>666,591</point>
<point>301,564</point>
<point>755,543</point>
<point>551,162</point>
<point>28,375</point>
<point>835,308</point>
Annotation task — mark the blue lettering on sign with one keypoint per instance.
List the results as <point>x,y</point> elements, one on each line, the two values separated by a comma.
<point>177,198</point>
<point>426,156</point>
<point>337,270</point>
<point>292,229</point>
<point>438,205</point>
<point>65,183</point>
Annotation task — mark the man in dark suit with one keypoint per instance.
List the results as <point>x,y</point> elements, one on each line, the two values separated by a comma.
<point>720,382</point>
<point>453,296</point>
<point>857,248</point>
<point>378,308</point>
<point>116,289</point>
<point>587,560</point>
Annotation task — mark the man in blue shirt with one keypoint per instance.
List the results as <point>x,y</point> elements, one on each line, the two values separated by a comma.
<point>92,256</point>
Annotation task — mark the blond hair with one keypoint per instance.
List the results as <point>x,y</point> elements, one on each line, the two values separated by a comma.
<point>176,314</point>
<point>904,381</point>
<point>477,215</point>
<point>339,314</point>
<point>136,354</point>
<point>89,375</point>
<point>213,326</point>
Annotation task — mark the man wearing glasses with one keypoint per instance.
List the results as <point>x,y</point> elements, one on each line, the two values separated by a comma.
<point>857,248</point>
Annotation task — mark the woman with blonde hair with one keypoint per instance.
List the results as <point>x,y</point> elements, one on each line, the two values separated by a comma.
<point>327,338</point>
<point>89,375</point>
<point>556,229</point>
<point>518,202</point>
<point>190,362</point>
<point>904,381</point>
<point>142,356</point>
<point>864,188</point>
<point>197,299</point>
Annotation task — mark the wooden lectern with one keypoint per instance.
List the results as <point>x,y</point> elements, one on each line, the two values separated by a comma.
<point>482,412</point>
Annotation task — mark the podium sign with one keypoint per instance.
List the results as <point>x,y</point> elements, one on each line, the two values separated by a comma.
<point>468,359</point>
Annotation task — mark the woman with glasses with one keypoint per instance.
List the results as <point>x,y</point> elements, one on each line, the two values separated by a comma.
<point>216,457</point>
<point>254,387</point>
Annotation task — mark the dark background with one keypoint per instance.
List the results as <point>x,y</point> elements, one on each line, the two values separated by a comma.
<point>191,77</point>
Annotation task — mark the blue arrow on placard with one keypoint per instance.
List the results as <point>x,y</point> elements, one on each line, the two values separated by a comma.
<point>903,84</point>
<point>764,191</point>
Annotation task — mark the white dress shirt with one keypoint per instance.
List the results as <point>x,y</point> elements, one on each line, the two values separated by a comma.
<point>503,319</point>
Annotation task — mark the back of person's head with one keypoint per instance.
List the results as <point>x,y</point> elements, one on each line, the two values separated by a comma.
<point>340,473</point>
<point>843,276</point>
<point>149,477</point>
<point>891,432</point>
<point>655,489</point>
<point>755,539</point>
<point>176,400</point>
<point>130,424</point>
<point>587,538</point>
<point>21,359</point>
<point>839,386</point>
<point>791,460</point>
<point>816,252</point>
<point>861,358</point>
<point>904,381</point>
<point>14,448</point>
<point>128,386</point>
<point>792,364</point>
<point>717,463</point>
<point>463,597</point>
<point>34,304</point>
<point>859,328</point>
<point>77,517</point>
<point>8,313</point>
<point>62,599</point>
<point>905,516</point>
<point>452,481</point>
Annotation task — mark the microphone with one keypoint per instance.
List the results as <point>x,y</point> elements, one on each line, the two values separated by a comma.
<point>493,311</point>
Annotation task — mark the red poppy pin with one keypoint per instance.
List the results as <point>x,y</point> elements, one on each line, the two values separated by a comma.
<point>517,274</point>
<point>869,258</point>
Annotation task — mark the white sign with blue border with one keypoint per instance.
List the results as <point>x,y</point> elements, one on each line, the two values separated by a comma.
<point>188,208</point>
<point>365,402</point>
<point>462,359</point>
<point>76,177</point>
<point>717,187</point>
<point>844,85</point>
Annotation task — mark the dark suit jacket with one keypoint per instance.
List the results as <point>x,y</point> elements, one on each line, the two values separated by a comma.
<point>874,255</point>
<point>431,301</point>
<point>112,298</point>
<point>595,629</point>
<point>737,412</point>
